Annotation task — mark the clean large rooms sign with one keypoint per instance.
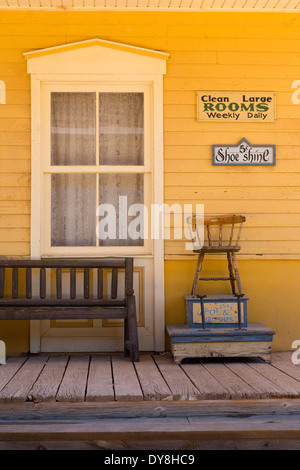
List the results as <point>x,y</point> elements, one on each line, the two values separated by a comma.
<point>237,106</point>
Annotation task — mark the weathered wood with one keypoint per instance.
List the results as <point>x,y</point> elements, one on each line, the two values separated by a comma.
<point>219,245</point>
<point>63,263</point>
<point>13,364</point>
<point>43,283</point>
<point>18,387</point>
<point>152,382</point>
<point>28,283</point>
<point>264,387</point>
<point>230,381</point>
<point>2,281</point>
<point>180,385</point>
<point>14,283</point>
<point>73,283</point>
<point>100,383</point>
<point>58,283</point>
<point>126,384</point>
<point>47,384</point>
<point>62,313</point>
<point>149,408</point>
<point>100,283</point>
<point>156,429</point>
<point>86,289</point>
<point>47,307</point>
<point>284,381</point>
<point>208,386</point>
<point>73,385</point>
<point>283,362</point>
<point>114,283</point>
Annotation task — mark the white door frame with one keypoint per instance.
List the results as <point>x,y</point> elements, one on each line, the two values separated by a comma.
<point>104,61</point>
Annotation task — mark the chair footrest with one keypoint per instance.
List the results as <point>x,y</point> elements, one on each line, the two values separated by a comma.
<point>216,278</point>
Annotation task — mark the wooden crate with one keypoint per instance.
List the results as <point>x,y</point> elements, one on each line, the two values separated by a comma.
<point>221,311</point>
<point>253,341</point>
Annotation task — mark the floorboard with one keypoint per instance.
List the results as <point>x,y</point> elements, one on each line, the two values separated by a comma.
<point>113,378</point>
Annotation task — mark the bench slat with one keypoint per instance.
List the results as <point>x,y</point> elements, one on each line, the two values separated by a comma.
<point>2,279</point>
<point>58,283</point>
<point>63,313</point>
<point>28,283</point>
<point>114,283</point>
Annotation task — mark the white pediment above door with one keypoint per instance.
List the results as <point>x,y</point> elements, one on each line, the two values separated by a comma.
<point>96,56</point>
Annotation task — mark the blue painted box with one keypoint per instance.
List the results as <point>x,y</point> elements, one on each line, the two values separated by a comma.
<point>221,311</point>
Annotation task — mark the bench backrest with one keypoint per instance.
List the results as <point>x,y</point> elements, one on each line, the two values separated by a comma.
<point>72,267</point>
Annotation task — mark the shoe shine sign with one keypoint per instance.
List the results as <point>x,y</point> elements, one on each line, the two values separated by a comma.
<point>236,106</point>
<point>244,154</point>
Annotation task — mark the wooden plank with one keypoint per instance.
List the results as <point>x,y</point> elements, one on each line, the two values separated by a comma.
<point>114,283</point>
<point>155,429</point>
<point>261,384</point>
<point>73,385</point>
<point>230,381</point>
<point>100,383</point>
<point>73,283</point>
<point>207,385</point>
<point>126,384</point>
<point>100,283</point>
<point>58,283</point>
<point>47,384</point>
<point>151,409</point>
<point>284,381</point>
<point>2,281</point>
<point>152,382</point>
<point>11,367</point>
<point>86,283</point>
<point>283,362</point>
<point>261,349</point>
<point>14,283</point>
<point>42,283</point>
<point>180,385</point>
<point>17,389</point>
<point>28,283</point>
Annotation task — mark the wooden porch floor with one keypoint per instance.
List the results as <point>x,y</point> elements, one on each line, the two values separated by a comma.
<point>108,378</point>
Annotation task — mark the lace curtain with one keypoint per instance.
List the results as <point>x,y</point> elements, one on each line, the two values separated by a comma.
<point>75,129</point>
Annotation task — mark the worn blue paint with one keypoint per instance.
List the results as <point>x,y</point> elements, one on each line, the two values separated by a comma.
<point>230,300</point>
<point>254,332</point>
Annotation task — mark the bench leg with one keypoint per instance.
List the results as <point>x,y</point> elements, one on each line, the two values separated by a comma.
<point>131,345</point>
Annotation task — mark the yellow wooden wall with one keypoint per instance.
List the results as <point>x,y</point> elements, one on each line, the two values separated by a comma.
<point>213,51</point>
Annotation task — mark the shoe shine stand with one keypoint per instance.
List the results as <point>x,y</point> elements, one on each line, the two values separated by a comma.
<point>216,325</point>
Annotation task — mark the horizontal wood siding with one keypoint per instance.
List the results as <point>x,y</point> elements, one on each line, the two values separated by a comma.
<point>213,51</point>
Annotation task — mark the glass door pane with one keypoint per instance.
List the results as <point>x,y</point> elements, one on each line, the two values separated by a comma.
<point>121,210</point>
<point>121,128</point>
<point>73,128</point>
<point>73,211</point>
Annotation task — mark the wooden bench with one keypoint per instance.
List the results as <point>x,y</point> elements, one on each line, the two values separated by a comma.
<point>17,301</point>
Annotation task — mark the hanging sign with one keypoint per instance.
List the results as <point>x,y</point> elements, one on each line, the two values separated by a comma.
<point>244,154</point>
<point>237,106</point>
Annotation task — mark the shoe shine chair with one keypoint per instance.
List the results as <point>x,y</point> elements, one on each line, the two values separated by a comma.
<point>216,325</point>
<point>221,236</point>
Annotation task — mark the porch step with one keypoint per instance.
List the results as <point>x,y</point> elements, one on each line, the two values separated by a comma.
<point>192,432</point>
